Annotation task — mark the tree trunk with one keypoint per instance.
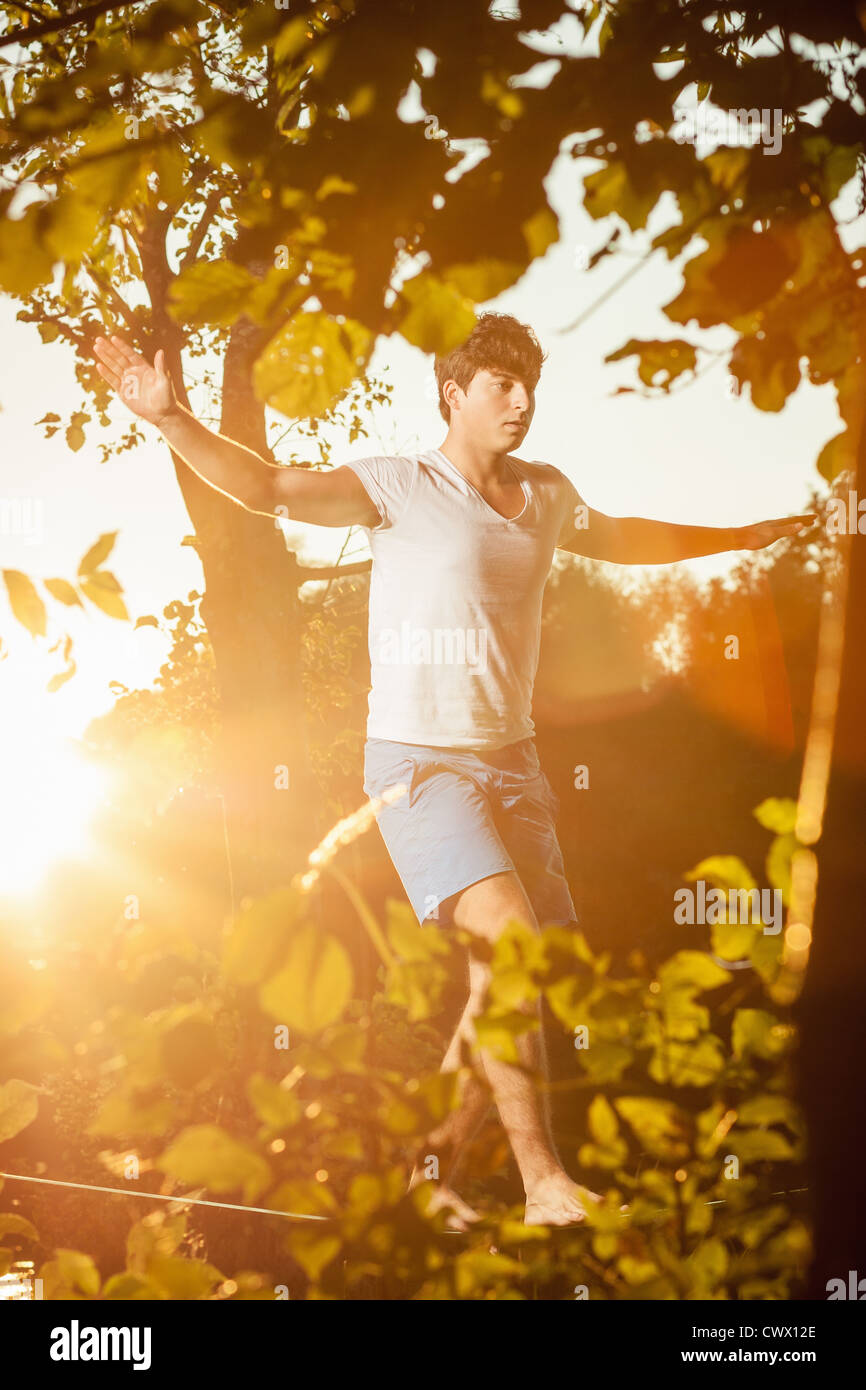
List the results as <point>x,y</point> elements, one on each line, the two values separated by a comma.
<point>831,1011</point>
<point>254,619</point>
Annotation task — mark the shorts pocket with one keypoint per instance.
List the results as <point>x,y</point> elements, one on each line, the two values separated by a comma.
<point>379,775</point>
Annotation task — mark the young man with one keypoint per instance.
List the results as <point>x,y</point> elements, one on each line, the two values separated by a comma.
<point>462,538</point>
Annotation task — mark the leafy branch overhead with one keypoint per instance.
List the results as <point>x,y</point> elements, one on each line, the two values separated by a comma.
<point>267,171</point>
<point>94,583</point>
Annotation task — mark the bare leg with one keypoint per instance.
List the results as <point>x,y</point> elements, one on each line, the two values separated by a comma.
<point>448,1141</point>
<point>552,1198</point>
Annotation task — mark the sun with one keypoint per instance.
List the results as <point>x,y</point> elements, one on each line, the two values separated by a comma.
<point>51,792</point>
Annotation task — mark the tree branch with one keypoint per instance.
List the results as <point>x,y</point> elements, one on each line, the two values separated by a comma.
<point>54,26</point>
<point>17,5</point>
<point>64,329</point>
<point>308,573</point>
<point>212,202</point>
<point>117,300</point>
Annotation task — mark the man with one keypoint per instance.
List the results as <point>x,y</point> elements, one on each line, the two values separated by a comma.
<point>462,538</point>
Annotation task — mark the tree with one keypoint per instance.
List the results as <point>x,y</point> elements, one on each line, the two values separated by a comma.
<point>256,199</point>
<point>212,193</point>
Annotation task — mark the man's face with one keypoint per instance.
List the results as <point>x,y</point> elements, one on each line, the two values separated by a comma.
<point>488,409</point>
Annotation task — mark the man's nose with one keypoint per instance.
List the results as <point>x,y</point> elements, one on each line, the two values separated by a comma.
<point>520,401</point>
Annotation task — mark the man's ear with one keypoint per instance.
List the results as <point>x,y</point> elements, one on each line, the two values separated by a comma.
<point>455,393</point>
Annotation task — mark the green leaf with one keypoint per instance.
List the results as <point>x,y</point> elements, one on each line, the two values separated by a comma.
<point>314,985</point>
<point>311,363</point>
<point>131,1288</point>
<point>416,985</point>
<point>70,1272</point>
<point>770,1109</point>
<point>102,588</point>
<point>103,184</point>
<point>540,231</point>
<point>740,271</point>
<point>12,1224</point>
<point>25,602</point>
<point>670,358</point>
<point>259,935</point>
<point>771,367</point>
<point>18,1107</point>
<point>605,1061</point>
<point>659,1125</point>
<point>61,677</point>
<point>778,813</point>
<point>722,871</point>
<point>757,1033</point>
<point>74,437</point>
<point>476,1270</point>
<point>438,316</point>
<point>683,1063</point>
<point>497,1032</point>
<point>837,163</point>
<point>602,1121</point>
<point>610,190</point>
<point>754,1227</point>
<point>838,455</point>
<point>780,856</point>
<point>125,1114</point>
<point>183,1279</point>
<point>482,280</point>
<point>277,1107</point>
<point>410,940</point>
<point>211,292</point>
<point>205,1155</point>
<point>160,1233</point>
<point>25,263</point>
<point>313,1250</point>
<point>99,551</point>
<point>63,591</point>
<point>757,1145</point>
<point>708,1265</point>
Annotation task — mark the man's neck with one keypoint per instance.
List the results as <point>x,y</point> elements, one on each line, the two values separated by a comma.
<point>483,468</point>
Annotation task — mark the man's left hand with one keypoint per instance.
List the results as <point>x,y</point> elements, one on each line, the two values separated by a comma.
<point>761,533</point>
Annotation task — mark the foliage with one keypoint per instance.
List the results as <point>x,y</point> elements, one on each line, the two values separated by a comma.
<point>681,1072</point>
<point>233,170</point>
<point>94,583</point>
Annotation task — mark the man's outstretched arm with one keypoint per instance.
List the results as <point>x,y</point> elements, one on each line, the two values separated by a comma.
<point>335,497</point>
<point>636,540</point>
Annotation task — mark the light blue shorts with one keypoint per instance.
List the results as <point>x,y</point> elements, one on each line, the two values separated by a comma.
<point>469,813</point>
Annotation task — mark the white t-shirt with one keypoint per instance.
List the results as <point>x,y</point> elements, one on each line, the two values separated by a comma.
<point>455,599</point>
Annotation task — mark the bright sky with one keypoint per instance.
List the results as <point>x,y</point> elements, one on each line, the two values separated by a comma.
<point>701,455</point>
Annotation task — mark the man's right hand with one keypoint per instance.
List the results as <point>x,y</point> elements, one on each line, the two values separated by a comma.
<point>147,390</point>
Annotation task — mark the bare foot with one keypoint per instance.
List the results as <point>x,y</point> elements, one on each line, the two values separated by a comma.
<point>557,1201</point>
<point>460,1216</point>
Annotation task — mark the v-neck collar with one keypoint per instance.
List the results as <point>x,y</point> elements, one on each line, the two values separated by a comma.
<point>508,520</point>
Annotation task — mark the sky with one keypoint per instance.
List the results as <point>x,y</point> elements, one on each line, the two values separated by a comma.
<point>699,455</point>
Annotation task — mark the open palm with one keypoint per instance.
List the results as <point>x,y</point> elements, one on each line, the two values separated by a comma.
<point>762,533</point>
<point>146,389</point>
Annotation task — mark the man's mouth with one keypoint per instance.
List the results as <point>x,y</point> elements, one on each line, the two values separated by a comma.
<point>513,425</point>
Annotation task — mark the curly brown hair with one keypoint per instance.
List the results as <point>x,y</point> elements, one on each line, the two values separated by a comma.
<point>498,342</point>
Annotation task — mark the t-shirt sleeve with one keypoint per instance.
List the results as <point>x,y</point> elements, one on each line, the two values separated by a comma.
<point>568,502</point>
<point>387,480</point>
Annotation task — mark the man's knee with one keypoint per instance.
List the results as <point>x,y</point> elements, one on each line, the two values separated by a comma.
<point>485,907</point>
